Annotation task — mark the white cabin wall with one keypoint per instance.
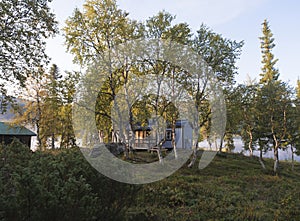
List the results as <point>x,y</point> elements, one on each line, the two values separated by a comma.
<point>178,138</point>
<point>188,136</point>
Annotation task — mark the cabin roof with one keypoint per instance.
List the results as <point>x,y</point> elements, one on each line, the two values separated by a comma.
<point>181,123</point>
<point>9,129</point>
<point>178,124</point>
<point>141,128</point>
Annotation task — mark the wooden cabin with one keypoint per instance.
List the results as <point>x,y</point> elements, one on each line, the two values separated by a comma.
<point>8,132</point>
<point>144,139</point>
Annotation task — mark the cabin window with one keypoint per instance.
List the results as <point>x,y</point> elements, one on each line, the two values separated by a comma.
<point>169,135</point>
<point>147,133</point>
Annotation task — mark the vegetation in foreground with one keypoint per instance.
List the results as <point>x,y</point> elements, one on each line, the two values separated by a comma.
<point>232,187</point>
<point>61,185</point>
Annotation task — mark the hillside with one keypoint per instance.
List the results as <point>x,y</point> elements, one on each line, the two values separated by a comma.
<point>61,185</point>
<point>232,187</point>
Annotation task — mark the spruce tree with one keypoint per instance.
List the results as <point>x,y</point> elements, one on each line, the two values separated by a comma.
<point>269,72</point>
<point>273,100</point>
<point>298,89</point>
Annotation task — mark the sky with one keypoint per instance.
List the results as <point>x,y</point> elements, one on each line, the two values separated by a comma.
<point>233,19</point>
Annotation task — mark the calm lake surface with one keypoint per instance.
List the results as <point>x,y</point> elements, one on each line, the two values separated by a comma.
<point>285,155</point>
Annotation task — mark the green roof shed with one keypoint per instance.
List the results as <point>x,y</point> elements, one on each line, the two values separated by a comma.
<point>9,131</point>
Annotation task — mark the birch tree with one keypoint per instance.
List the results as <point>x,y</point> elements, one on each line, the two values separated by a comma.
<point>91,35</point>
<point>25,25</point>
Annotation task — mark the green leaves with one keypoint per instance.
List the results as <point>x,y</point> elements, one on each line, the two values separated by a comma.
<point>100,26</point>
<point>159,25</point>
<point>24,27</point>
<point>219,53</point>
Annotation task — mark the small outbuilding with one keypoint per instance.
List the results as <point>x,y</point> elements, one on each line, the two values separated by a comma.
<point>9,131</point>
<point>183,135</point>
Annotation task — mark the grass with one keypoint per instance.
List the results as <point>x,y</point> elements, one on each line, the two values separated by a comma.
<point>232,187</point>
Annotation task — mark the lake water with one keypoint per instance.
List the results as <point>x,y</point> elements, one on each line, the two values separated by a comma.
<point>284,155</point>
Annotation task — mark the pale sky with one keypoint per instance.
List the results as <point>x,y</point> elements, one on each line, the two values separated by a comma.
<point>234,19</point>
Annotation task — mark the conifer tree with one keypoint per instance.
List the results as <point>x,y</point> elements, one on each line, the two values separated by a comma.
<point>269,72</point>
<point>273,100</point>
<point>298,89</point>
<point>52,103</point>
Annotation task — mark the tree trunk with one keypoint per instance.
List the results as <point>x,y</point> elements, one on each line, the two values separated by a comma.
<point>209,142</point>
<point>39,113</point>
<point>52,141</point>
<point>292,157</point>
<point>39,140</point>
<point>126,151</point>
<point>221,144</point>
<point>62,138</point>
<point>261,161</point>
<point>159,143</point>
<point>276,157</point>
<point>250,143</point>
<point>160,157</point>
<point>195,148</point>
<point>194,156</point>
<point>101,136</point>
<point>173,141</point>
<point>276,160</point>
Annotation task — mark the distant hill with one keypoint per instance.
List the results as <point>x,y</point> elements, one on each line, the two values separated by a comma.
<point>9,115</point>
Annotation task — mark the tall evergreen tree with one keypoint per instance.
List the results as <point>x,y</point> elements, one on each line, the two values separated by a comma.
<point>68,84</point>
<point>269,72</point>
<point>52,103</point>
<point>298,89</point>
<point>273,100</point>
